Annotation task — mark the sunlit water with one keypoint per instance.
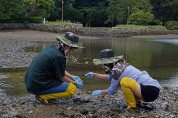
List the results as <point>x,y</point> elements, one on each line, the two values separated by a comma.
<point>159,57</point>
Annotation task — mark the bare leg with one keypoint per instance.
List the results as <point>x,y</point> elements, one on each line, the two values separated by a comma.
<point>138,93</point>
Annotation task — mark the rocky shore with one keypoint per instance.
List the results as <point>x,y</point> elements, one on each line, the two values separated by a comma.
<point>89,31</point>
<point>83,105</point>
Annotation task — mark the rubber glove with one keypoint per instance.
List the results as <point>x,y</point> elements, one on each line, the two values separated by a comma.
<point>76,78</point>
<point>89,75</point>
<point>79,85</point>
<point>96,92</point>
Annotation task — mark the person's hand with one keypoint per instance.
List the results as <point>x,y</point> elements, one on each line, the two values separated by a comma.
<point>79,85</point>
<point>79,82</point>
<point>76,78</point>
<point>96,92</point>
<point>89,75</point>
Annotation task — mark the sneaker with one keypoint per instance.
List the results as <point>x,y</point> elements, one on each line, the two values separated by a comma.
<point>42,100</point>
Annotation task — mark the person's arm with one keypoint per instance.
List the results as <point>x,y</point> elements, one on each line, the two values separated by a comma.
<point>111,90</point>
<point>113,87</point>
<point>100,76</point>
<point>68,74</point>
<point>67,79</point>
<point>96,75</point>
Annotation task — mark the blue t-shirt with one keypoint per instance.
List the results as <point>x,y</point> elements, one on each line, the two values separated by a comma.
<point>141,77</point>
<point>45,70</point>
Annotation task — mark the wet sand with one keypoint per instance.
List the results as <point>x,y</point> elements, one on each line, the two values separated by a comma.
<point>82,104</point>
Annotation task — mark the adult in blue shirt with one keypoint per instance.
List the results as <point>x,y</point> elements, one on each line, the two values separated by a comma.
<point>47,77</point>
<point>136,85</point>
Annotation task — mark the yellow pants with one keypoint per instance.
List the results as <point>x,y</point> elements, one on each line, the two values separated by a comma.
<point>128,87</point>
<point>70,91</point>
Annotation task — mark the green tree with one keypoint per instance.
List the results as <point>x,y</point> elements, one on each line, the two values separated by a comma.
<point>118,9</point>
<point>11,9</point>
<point>165,10</point>
<point>141,18</point>
<point>87,12</point>
<point>72,14</point>
<point>141,13</point>
<point>143,5</point>
<point>30,7</point>
<point>39,7</point>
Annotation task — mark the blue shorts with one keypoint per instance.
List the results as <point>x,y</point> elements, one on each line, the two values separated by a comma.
<point>60,88</point>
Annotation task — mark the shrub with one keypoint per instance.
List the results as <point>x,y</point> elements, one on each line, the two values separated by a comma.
<point>141,18</point>
<point>175,27</point>
<point>156,22</point>
<point>171,25</point>
<point>23,20</point>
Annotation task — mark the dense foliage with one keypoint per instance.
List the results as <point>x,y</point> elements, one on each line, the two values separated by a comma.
<point>94,12</point>
<point>25,9</point>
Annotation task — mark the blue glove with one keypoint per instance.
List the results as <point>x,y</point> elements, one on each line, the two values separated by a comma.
<point>76,78</point>
<point>96,92</point>
<point>89,75</point>
<point>79,85</point>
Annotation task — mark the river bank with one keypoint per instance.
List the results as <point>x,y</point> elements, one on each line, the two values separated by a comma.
<point>89,31</point>
<point>13,53</point>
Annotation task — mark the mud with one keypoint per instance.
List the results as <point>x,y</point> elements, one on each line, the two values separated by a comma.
<point>16,43</point>
<point>81,105</point>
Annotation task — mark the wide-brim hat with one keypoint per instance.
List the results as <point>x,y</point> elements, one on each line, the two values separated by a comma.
<point>70,39</point>
<point>107,56</point>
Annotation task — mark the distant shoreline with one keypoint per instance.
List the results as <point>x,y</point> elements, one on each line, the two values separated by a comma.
<point>89,31</point>
<point>157,36</point>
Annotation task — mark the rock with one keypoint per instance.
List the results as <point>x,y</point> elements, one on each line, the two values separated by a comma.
<point>84,112</point>
<point>164,105</point>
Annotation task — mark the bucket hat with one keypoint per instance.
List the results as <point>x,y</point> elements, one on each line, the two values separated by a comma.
<point>107,56</point>
<point>70,39</point>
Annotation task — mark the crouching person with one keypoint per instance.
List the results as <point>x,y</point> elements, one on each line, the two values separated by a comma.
<point>136,85</point>
<point>47,77</point>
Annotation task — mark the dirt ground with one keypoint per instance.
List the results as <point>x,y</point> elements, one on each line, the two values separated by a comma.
<point>81,105</point>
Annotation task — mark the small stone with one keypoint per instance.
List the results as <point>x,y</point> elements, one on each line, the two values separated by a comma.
<point>69,108</point>
<point>84,112</point>
<point>31,111</point>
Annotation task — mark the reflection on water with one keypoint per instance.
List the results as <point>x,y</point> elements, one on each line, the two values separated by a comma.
<point>171,82</point>
<point>158,57</point>
<point>171,41</point>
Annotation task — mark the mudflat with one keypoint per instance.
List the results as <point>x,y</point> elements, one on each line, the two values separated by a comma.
<point>82,104</point>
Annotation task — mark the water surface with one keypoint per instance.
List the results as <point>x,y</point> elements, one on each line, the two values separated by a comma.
<point>159,57</point>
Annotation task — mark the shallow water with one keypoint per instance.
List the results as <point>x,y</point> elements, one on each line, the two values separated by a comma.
<point>157,56</point>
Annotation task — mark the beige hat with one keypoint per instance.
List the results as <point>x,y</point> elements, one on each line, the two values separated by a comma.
<point>70,39</point>
<point>107,56</point>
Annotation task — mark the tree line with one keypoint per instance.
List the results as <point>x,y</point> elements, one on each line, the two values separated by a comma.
<point>94,13</point>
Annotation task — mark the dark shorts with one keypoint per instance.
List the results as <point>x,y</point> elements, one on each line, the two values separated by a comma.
<point>149,93</point>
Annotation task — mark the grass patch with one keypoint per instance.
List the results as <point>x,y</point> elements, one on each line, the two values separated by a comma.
<point>141,26</point>
<point>60,22</point>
